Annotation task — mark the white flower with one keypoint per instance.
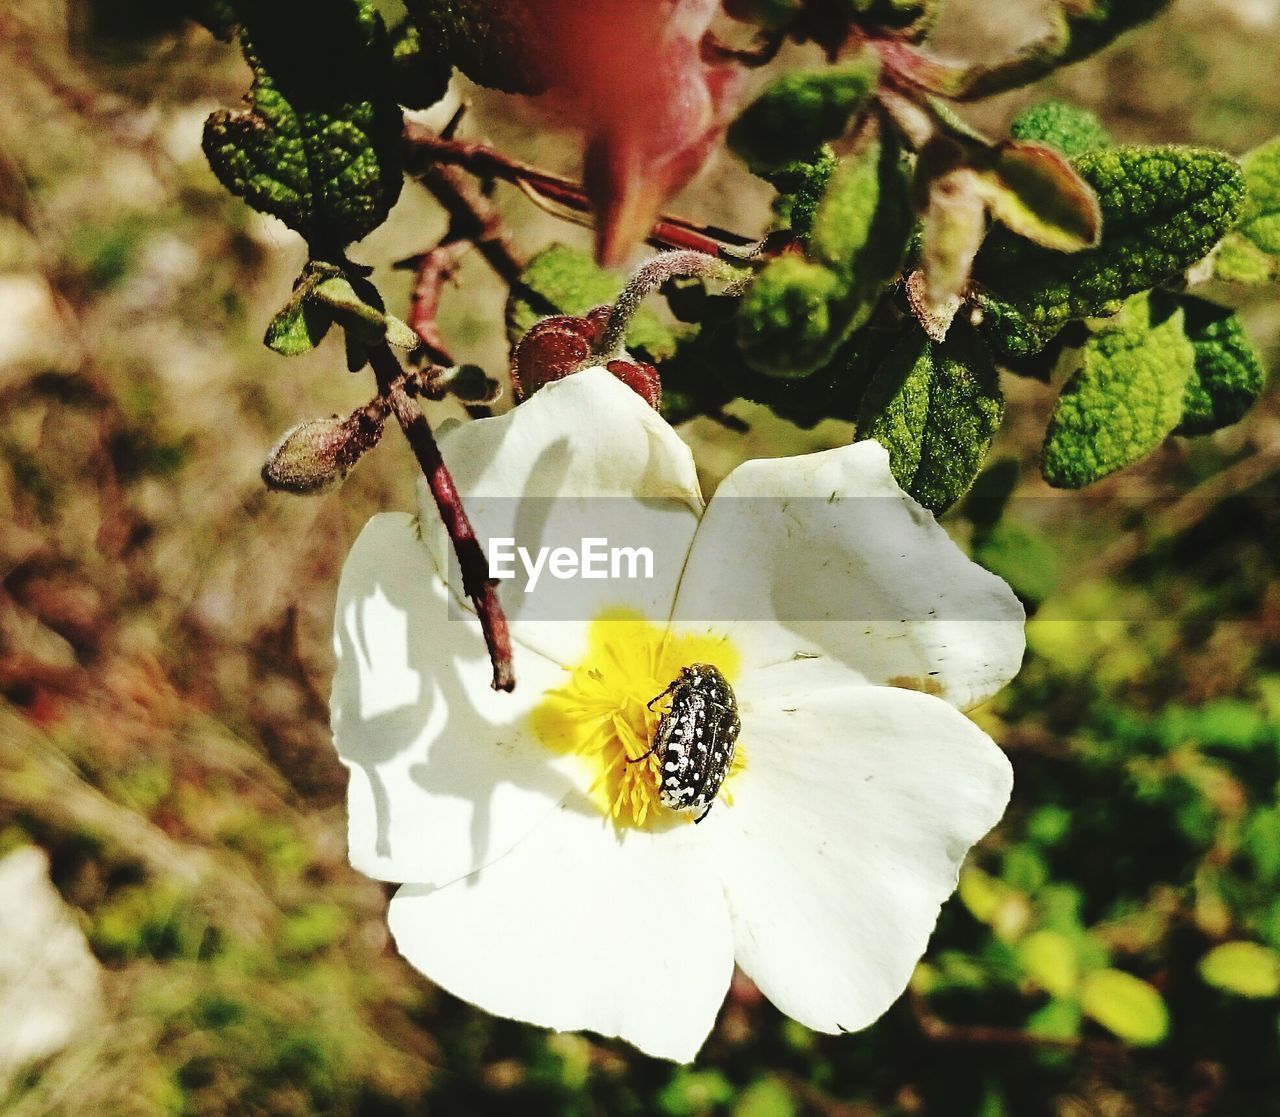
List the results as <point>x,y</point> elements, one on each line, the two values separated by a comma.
<point>541,879</point>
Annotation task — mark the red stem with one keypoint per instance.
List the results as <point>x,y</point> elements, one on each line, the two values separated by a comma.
<point>476,583</point>
<point>427,150</point>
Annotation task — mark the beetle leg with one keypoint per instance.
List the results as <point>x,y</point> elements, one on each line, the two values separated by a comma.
<point>658,697</point>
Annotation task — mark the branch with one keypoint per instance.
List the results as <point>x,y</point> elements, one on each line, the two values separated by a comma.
<point>432,270</point>
<point>428,153</point>
<point>476,583</point>
<point>984,1035</point>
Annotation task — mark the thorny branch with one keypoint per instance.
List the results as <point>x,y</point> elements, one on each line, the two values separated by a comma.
<point>476,583</point>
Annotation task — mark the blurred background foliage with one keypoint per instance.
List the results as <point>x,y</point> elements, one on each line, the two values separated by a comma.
<point>1114,948</point>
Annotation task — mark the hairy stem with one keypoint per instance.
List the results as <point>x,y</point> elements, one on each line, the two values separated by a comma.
<point>476,583</point>
<point>648,278</point>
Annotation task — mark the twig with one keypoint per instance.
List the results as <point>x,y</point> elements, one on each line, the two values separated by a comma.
<point>433,270</point>
<point>985,1035</point>
<point>476,583</point>
<point>1185,513</point>
<point>428,152</point>
<point>472,217</point>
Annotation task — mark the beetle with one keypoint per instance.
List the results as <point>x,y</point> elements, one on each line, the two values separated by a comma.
<point>695,738</point>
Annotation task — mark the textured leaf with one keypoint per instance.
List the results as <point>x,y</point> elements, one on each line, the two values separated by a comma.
<point>495,45</point>
<point>801,111</point>
<point>790,321</point>
<point>797,313</point>
<point>801,186</point>
<point>863,224</point>
<point>1125,399</point>
<point>1069,128</point>
<point>1247,969</point>
<point>935,408</point>
<point>1036,193</point>
<point>562,280</point>
<point>1163,208</point>
<point>319,146</point>
<point>1251,252</point>
<point>1227,377</point>
<point>1126,1006</point>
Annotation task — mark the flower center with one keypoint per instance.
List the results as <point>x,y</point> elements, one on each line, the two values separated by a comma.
<point>603,716</point>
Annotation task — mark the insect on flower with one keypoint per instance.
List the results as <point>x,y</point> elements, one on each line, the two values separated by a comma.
<point>695,738</point>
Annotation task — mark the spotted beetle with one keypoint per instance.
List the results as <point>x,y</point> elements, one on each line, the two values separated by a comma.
<point>695,738</point>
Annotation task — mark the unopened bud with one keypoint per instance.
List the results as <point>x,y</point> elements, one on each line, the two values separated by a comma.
<point>551,350</point>
<point>564,344</point>
<point>641,378</point>
<point>317,454</point>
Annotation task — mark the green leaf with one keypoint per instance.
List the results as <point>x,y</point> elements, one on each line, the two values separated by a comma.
<point>772,14</point>
<point>864,222</point>
<point>1069,128</point>
<point>894,13</point>
<point>358,306</point>
<point>798,312</point>
<point>1078,28</point>
<point>1126,1006</point>
<point>767,1097</point>
<point>1247,969</point>
<point>1163,208</point>
<point>1228,375</point>
<point>790,321</point>
<point>1059,1019</point>
<point>1035,192</point>
<point>421,76</point>
<point>1049,959</point>
<point>1251,252</point>
<point>1022,557</point>
<point>495,45</point>
<point>1125,399</point>
<point>801,186</point>
<point>322,295</point>
<point>319,145</point>
<point>935,408</point>
<point>801,111</point>
<point>563,280</point>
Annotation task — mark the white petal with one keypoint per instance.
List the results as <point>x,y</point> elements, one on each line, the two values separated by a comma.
<point>584,458</point>
<point>824,554</point>
<point>845,834</point>
<point>577,928</point>
<point>445,775</point>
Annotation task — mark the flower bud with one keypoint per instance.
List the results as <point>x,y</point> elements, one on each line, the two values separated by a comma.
<point>641,378</point>
<point>564,344</point>
<point>319,453</point>
<point>551,350</point>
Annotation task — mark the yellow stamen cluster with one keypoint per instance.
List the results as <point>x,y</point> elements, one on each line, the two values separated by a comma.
<point>601,714</point>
